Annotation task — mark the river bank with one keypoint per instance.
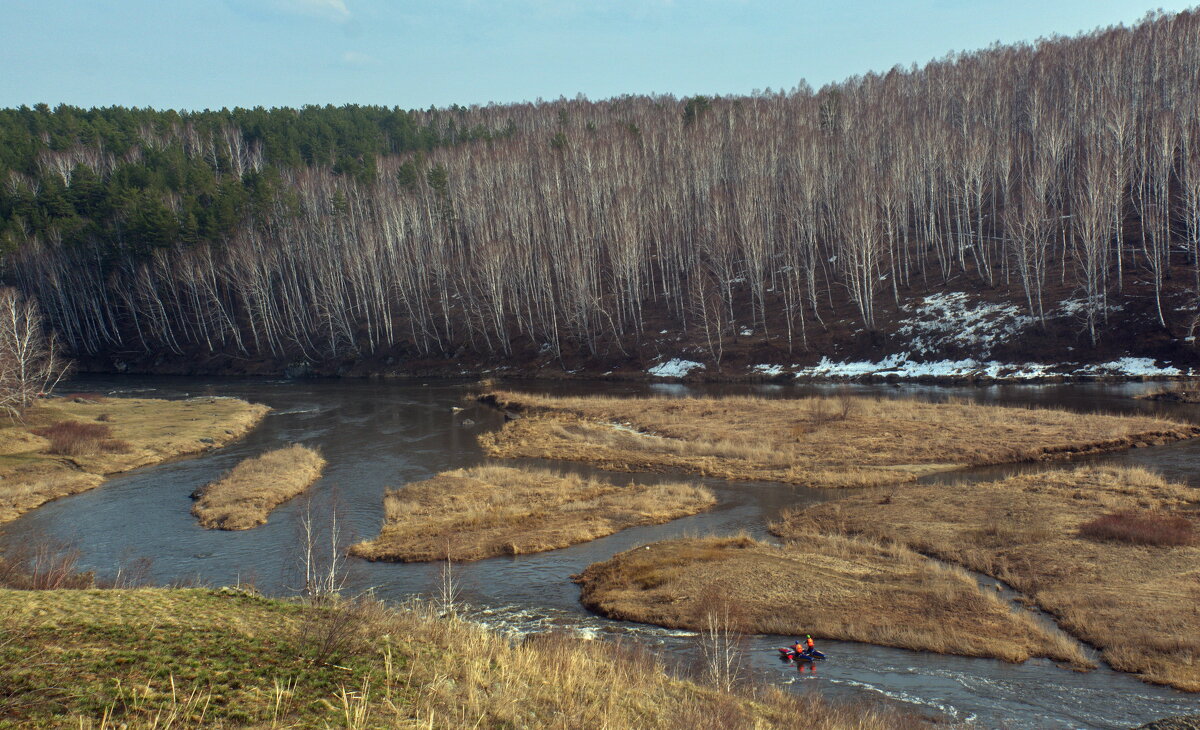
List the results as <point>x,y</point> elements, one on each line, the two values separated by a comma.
<point>471,514</point>
<point>376,435</point>
<point>226,657</point>
<point>1112,554</point>
<point>829,586</point>
<point>67,445</point>
<point>821,442</point>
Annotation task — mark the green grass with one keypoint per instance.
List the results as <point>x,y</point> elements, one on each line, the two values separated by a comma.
<point>174,658</point>
<point>209,657</point>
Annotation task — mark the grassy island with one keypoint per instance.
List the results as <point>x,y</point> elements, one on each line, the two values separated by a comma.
<point>828,586</point>
<point>469,514</point>
<point>1113,554</point>
<point>244,497</point>
<point>191,658</point>
<point>69,445</point>
<point>817,442</point>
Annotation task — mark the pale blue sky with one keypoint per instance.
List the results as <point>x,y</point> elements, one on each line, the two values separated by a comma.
<point>413,53</point>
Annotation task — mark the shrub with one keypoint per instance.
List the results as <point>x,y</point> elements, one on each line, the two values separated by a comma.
<point>72,438</point>
<point>1141,527</point>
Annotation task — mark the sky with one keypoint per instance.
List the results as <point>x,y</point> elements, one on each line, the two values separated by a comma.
<point>197,54</point>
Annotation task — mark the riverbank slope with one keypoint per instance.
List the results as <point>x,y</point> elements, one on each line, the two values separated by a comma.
<point>226,658</point>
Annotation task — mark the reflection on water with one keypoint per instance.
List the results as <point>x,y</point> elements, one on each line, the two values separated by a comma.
<point>380,435</point>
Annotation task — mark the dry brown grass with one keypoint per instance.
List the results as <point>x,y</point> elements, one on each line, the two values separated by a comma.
<point>1140,604</point>
<point>1141,527</point>
<point>157,658</point>
<point>72,438</point>
<point>75,455</point>
<point>818,442</point>
<point>244,497</point>
<point>469,514</point>
<point>829,586</point>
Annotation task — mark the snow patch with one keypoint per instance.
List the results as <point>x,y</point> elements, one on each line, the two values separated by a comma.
<point>1143,366</point>
<point>770,370</point>
<point>952,320</point>
<point>675,368</point>
<point>899,365</point>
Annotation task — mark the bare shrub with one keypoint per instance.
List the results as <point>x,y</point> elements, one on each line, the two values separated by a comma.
<point>721,642</point>
<point>847,404</point>
<point>104,417</point>
<point>818,411</point>
<point>1141,527</point>
<point>72,438</point>
<point>335,628</point>
<point>42,565</point>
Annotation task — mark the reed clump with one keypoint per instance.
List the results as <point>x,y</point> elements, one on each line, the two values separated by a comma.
<point>484,511</point>
<point>844,441</point>
<point>1135,599</point>
<point>244,497</point>
<point>230,658</point>
<point>72,438</point>
<point>68,445</point>
<point>1141,527</point>
<point>830,586</point>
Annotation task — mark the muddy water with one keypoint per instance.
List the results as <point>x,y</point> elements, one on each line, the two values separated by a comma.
<point>381,435</point>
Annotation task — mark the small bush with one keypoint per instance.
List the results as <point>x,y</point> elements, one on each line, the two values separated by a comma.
<point>72,438</point>
<point>1141,527</point>
<point>104,417</point>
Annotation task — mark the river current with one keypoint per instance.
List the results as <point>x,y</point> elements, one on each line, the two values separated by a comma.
<point>379,435</point>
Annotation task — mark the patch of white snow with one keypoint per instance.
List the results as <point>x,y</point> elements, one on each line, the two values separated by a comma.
<point>674,368</point>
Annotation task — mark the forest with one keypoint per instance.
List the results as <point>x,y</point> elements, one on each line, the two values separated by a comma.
<point>1059,175</point>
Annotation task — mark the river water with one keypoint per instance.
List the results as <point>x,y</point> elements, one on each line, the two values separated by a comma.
<point>381,435</point>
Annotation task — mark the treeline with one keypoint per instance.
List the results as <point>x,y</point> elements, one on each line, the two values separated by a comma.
<point>132,181</point>
<point>1068,168</point>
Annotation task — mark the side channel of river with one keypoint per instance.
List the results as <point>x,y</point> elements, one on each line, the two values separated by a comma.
<point>380,435</point>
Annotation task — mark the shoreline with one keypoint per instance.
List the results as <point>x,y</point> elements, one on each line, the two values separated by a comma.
<point>631,376</point>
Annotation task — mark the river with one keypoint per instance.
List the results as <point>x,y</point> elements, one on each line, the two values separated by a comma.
<point>378,435</point>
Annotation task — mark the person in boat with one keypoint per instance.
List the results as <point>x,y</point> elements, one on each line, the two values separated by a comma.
<point>797,648</point>
<point>811,647</point>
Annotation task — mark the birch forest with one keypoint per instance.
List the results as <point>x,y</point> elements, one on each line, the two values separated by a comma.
<point>1063,169</point>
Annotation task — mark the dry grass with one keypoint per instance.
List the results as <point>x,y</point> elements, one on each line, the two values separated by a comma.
<point>1140,604</point>
<point>829,586</point>
<point>818,442</point>
<point>469,514</point>
<point>76,451</point>
<point>244,497</point>
<point>1141,527</point>
<point>72,438</point>
<point>197,658</point>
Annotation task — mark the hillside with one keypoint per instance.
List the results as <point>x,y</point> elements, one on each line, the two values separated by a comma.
<point>992,212</point>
